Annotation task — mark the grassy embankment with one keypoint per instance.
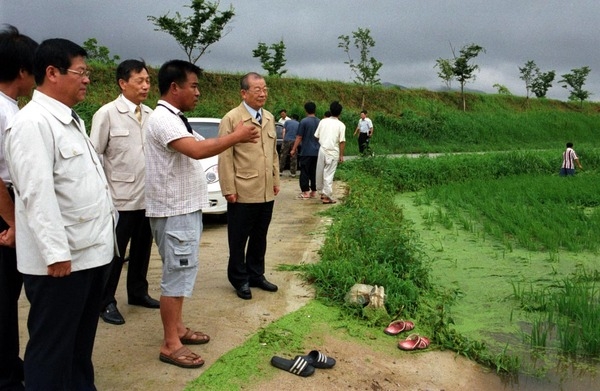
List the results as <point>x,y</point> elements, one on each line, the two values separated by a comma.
<point>370,241</point>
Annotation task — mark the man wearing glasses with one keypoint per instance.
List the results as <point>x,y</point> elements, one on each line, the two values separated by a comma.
<point>64,218</point>
<point>249,178</point>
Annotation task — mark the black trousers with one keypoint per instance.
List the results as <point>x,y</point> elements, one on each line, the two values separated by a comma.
<point>133,228</point>
<point>362,141</point>
<point>247,226</point>
<point>11,365</point>
<point>308,173</point>
<point>62,324</point>
<point>11,281</point>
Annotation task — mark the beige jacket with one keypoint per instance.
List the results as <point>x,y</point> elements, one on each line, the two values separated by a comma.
<point>118,136</point>
<point>250,170</point>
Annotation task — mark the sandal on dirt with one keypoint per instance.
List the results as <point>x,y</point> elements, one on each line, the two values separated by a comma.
<point>414,342</point>
<point>298,366</point>
<point>328,201</point>
<point>398,326</point>
<point>302,196</point>
<point>194,337</point>
<point>183,358</point>
<point>313,194</point>
<point>319,360</point>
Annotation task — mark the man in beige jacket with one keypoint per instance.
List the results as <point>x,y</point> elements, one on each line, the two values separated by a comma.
<point>249,178</point>
<point>118,135</point>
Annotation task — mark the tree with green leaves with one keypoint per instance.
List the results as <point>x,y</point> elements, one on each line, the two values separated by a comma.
<point>528,74</point>
<point>463,70</point>
<point>574,83</point>
<point>99,54</point>
<point>445,71</point>
<point>542,83</point>
<point>366,69</point>
<point>195,33</point>
<point>272,63</point>
<point>502,89</point>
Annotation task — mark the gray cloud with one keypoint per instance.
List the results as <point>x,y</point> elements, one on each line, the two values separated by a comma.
<point>409,35</point>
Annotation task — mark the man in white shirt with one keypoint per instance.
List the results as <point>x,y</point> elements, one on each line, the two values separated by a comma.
<point>364,130</point>
<point>16,79</point>
<point>331,134</point>
<point>118,135</point>
<point>65,221</point>
<point>176,192</point>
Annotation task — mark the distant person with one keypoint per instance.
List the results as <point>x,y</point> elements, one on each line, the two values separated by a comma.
<point>176,192</point>
<point>364,130</point>
<point>327,114</point>
<point>65,221</point>
<point>249,178</point>
<point>331,134</point>
<point>118,136</point>
<point>283,117</point>
<point>309,153</point>
<point>16,79</point>
<point>290,130</point>
<point>569,160</point>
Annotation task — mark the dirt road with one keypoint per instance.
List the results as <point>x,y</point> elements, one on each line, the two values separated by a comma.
<point>126,356</point>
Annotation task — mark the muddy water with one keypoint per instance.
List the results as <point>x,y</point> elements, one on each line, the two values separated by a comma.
<point>484,273</point>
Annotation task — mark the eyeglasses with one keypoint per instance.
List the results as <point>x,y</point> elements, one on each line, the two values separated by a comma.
<point>258,90</point>
<point>85,73</point>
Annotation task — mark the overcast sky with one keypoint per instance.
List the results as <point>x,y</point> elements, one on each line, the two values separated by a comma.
<point>409,35</point>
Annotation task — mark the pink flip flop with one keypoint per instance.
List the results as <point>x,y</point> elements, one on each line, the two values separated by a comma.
<point>414,342</point>
<point>398,326</point>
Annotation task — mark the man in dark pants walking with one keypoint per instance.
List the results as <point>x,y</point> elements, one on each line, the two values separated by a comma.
<point>310,151</point>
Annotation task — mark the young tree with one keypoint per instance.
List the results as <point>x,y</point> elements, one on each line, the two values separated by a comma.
<point>542,82</point>
<point>502,90</point>
<point>197,32</point>
<point>366,70</point>
<point>445,71</point>
<point>272,63</point>
<point>463,70</point>
<point>99,54</point>
<point>528,74</point>
<point>574,83</point>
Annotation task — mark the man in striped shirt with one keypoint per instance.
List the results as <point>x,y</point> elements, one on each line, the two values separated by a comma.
<point>569,160</point>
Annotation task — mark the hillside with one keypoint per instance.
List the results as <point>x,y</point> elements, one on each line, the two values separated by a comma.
<point>405,120</point>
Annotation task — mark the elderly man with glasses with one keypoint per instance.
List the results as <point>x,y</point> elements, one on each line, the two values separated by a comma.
<point>249,178</point>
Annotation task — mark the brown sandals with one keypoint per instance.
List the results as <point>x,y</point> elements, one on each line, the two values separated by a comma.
<point>194,338</point>
<point>183,358</point>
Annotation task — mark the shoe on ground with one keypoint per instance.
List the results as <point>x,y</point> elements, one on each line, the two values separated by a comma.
<point>244,292</point>
<point>264,285</point>
<point>145,301</point>
<point>111,315</point>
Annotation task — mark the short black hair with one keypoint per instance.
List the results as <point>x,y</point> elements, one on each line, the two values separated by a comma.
<point>125,68</point>
<point>16,53</point>
<point>310,107</point>
<point>569,145</point>
<point>56,52</point>
<point>364,112</point>
<point>175,71</point>
<point>336,108</point>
